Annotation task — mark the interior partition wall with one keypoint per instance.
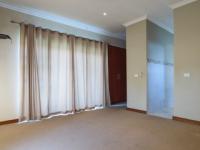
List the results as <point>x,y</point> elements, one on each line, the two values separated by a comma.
<point>160,71</point>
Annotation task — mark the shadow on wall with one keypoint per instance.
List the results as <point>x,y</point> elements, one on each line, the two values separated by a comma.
<point>160,71</point>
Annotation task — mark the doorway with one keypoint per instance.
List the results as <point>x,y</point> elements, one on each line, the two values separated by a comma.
<point>160,89</point>
<point>160,71</point>
<point>117,75</point>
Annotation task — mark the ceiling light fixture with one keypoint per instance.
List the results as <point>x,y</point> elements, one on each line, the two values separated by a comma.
<point>104,14</point>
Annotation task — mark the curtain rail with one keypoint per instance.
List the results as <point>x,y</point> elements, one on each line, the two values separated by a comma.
<point>15,22</point>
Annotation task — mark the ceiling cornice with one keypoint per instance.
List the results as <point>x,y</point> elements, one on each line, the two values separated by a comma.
<point>145,17</point>
<point>170,30</point>
<point>139,19</point>
<point>181,3</point>
<point>60,19</point>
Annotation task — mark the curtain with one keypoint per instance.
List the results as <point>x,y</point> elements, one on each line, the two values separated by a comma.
<point>60,73</point>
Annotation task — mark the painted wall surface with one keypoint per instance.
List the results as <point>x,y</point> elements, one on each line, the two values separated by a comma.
<point>136,65</point>
<point>9,72</point>
<point>9,56</point>
<point>160,71</point>
<point>187,60</point>
<point>146,40</point>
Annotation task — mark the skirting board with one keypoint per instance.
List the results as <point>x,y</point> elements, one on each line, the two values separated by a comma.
<point>129,109</point>
<point>194,122</point>
<point>186,120</point>
<point>9,122</point>
<point>136,110</point>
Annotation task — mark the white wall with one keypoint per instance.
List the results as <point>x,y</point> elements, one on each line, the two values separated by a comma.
<point>136,64</point>
<point>9,72</point>
<point>9,56</point>
<point>187,60</point>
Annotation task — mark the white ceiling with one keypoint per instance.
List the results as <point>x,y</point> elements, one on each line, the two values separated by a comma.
<point>119,11</point>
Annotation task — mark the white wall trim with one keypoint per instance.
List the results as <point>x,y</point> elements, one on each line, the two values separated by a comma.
<point>60,19</point>
<point>150,19</point>
<point>161,25</point>
<point>135,21</point>
<point>181,3</point>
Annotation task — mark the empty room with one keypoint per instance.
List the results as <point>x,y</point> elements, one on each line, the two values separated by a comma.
<point>100,75</point>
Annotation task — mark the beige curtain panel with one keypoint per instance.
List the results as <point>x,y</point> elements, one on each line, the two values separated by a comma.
<point>60,73</point>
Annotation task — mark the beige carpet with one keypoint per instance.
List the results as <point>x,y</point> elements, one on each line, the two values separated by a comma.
<point>108,129</point>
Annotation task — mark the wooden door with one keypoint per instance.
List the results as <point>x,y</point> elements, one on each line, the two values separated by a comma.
<point>117,74</point>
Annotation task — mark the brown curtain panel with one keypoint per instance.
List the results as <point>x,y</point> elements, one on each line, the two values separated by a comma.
<point>60,73</point>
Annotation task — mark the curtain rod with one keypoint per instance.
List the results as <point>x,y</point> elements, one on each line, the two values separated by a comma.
<point>12,21</point>
<point>16,22</point>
